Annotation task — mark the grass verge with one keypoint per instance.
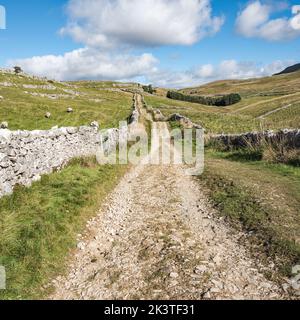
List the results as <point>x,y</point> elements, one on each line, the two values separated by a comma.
<point>38,225</point>
<point>260,198</point>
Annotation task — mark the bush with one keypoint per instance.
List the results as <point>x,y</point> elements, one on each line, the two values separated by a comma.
<point>149,89</point>
<point>18,70</point>
<point>219,101</point>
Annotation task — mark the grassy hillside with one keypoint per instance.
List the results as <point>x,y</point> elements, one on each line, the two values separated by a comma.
<point>26,100</point>
<point>267,103</point>
<point>270,86</point>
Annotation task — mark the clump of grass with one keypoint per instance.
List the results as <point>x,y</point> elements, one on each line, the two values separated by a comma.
<point>244,210</point>
<point>271,151</point>
<point>281,152</point>
<point>38,225</point>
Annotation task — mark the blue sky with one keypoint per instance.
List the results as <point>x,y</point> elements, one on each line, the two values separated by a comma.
<point>34,28</point>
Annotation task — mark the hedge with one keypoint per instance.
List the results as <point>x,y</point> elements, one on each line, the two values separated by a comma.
<point>220,101</point>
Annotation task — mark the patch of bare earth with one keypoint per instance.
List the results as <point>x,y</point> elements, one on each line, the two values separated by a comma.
<point>157,237</point>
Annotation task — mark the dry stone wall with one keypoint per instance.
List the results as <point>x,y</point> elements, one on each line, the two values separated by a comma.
<point>184,121</point>
<point>288,137</point>
<point>26,155</point>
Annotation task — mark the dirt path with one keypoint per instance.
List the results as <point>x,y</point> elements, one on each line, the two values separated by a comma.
<point>157,237</point>
<point>265,102</point>
<point>276,110</point>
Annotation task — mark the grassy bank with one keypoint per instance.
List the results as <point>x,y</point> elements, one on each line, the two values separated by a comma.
<point>24,108</point>
<point>38,225</point>
<point>262,199</point>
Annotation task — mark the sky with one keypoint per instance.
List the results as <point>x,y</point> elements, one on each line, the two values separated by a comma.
<point>169,43</point>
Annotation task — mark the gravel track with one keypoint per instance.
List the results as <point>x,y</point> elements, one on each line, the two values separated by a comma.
<point>158,237</point>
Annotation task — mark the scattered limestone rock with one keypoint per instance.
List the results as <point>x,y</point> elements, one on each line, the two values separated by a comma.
<point>48,115</point>
<point>70,110</point>
<point>158,116</point>
<point>81,246</point>
<point>207,295</point>
<point>174,275</point>
<point>6,84</point>
<point>1,98</point>
<point>44,87</point>
<point>95,124</point>
<point>4,125</point>
<point>200,269</point>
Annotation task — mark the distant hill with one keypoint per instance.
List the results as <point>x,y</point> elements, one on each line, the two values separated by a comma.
<point>266,86</point>
<point>267,103</point>
<point>290,69</point>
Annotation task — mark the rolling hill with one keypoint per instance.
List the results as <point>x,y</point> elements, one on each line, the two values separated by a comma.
<point>267,103</point>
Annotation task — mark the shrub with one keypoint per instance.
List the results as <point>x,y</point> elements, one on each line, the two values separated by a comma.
<point>149,89</point>
<point>18,70</point>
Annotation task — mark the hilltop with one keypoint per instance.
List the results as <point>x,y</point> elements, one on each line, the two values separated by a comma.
<point>266,86</point>
<point>290,69</point>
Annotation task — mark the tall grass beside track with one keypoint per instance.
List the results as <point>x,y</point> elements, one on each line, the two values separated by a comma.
<point>39,225</point>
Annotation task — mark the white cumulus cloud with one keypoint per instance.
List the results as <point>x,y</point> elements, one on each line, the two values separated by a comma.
<point>86,63</point>
<point>255,21</point>
<point>227,69</point>
<point>109,23</point>
<point>111,30</point>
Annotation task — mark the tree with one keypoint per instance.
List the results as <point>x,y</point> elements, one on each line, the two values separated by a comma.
<point>149,89</point>
<point>18,70</point>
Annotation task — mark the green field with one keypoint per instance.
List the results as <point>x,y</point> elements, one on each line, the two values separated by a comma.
<point>99,101</point>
